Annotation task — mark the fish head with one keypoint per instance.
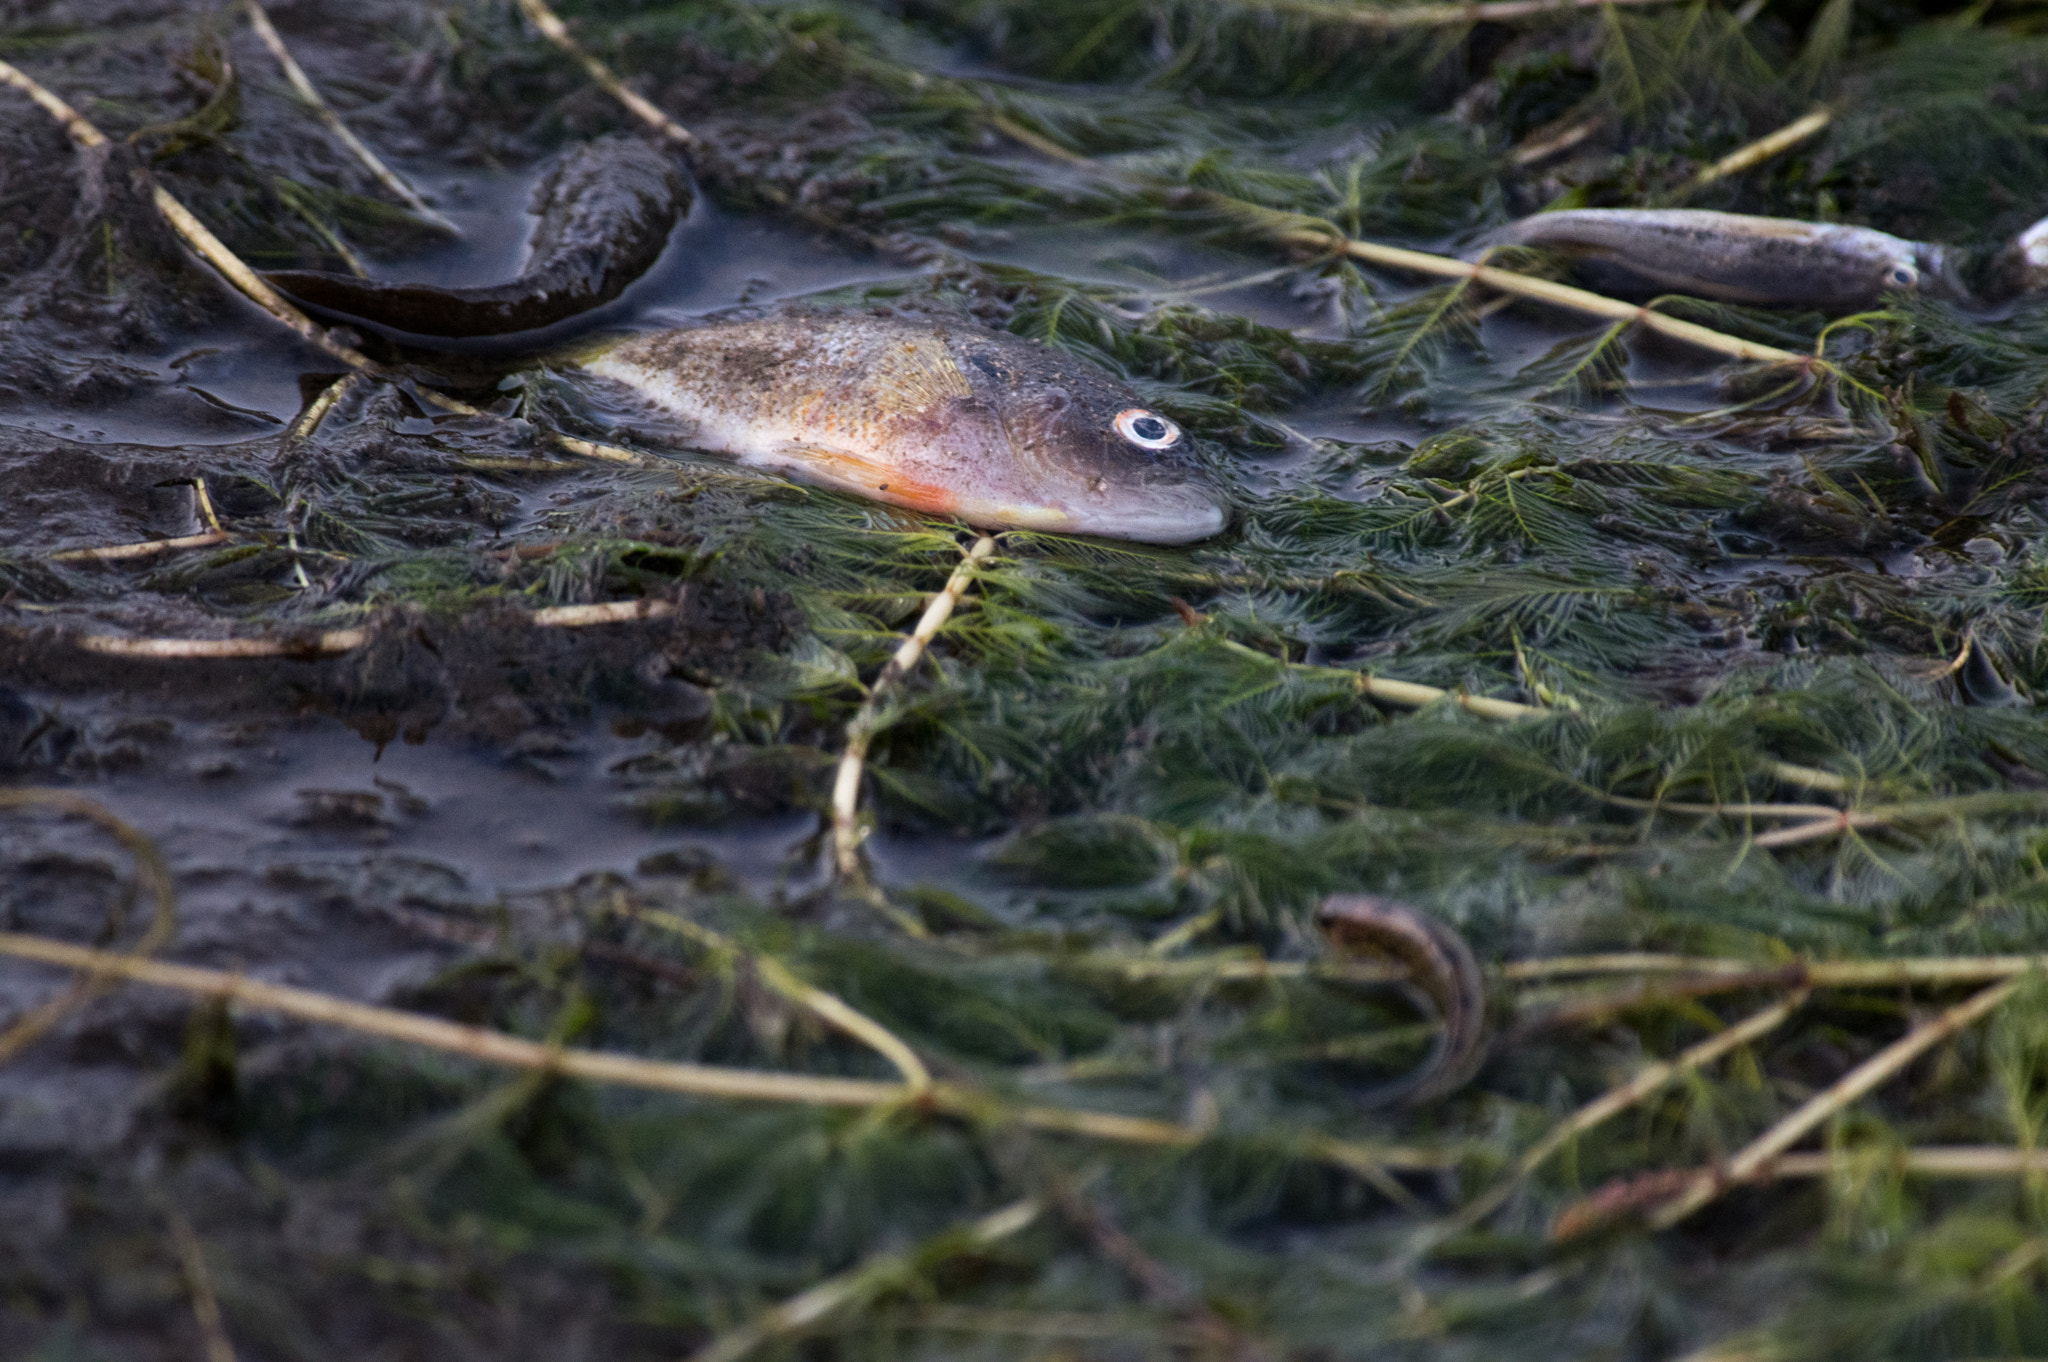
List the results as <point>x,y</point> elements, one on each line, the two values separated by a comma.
<point>2022,267</point>
<point>1941,273</point>
<point>1082,453</point>
<point>1896,265</point>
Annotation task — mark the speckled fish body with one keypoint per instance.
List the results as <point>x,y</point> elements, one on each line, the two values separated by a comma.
<point>1771,262</point>
<point>936,416</point>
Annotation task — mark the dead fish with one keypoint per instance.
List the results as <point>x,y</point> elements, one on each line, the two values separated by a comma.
<point>606,210</point>
<point>1771,262</point>
<point>941,417</point>
<point>1440,966</point>
<point>2022,268</point>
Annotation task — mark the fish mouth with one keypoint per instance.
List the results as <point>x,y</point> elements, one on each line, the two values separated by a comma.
<point>1940,273</point>
<point>1173,514</point>
<point>1179,516</point>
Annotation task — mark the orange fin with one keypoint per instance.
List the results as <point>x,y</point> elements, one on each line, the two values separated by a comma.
<point>843,469</point>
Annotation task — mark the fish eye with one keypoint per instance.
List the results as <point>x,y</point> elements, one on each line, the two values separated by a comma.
<point>1146,429</point>
<point>1903,276</point>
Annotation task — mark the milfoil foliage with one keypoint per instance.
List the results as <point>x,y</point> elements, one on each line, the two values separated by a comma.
<point>1134,766</point>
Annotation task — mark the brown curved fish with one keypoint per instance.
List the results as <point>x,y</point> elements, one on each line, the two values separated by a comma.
<point>1440,966</point>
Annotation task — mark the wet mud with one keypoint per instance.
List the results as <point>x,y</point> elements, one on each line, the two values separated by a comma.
<point>358,824</point>
<point>462,814</point>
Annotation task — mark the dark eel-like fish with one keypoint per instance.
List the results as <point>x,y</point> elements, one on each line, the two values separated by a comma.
<point>606,210</point>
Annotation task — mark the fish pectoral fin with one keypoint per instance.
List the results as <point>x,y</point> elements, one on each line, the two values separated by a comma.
<point>853,472</point>
<point>919,373</point>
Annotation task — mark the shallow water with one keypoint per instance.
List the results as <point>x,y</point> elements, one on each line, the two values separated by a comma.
<point>286,833</point>
<point>1120,772</point>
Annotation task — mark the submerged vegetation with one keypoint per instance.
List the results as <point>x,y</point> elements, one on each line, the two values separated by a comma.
<point>1767,784</point>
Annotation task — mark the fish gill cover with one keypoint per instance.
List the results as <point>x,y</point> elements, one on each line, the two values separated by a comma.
<point>1698,694</point>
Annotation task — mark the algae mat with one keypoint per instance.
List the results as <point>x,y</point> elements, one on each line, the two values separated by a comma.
<point>491,989</point>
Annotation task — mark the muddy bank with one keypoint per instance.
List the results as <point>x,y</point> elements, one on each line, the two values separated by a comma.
<point>1764,647</point>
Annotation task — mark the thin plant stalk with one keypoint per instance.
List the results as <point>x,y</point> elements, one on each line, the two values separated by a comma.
<point>1761,150</point>
<point>829,1008</point>
<point>210,248</point>
<point>1392,18</point>
<point>148,548</point>
<point>214,533</point>
<point>1622,962</point>
<point>862,1283</point>
<point>1652,1079</point>
<point>301,431</point>
<point>555,31</point>
<point>1414,695</point>
<point>152,875</point>
<point>316,411</point>
<point>310,95</point>
<point>1311,234</point>
<point>1536,290</point>
<point>607,612</point>
<point>1551,143</point>
<point>190,229</point>
<point>332,641</point>
<point>860,732</point>
<point>1546,1011</point>
<point>321,644</point>
<point>1957,969</point>
<point>206,1312</point>
<point>1709,1184</point>
<point>1934,1161</point>
<point>205,500</point>
<point>486,1046</point>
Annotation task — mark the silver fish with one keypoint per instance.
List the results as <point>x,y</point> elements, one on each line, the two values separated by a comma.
<point>2022,267</point>
<point>936,416</point>
<point>1772,262</point>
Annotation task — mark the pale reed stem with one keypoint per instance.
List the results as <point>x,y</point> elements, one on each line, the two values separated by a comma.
<point>213,1329</point>
<point>1294,229</point>
<point>1759,151</point>
<point>1651,1079</point>
<point>1394,17</point>
<point>829,1008</point>
<point>152,873</point>
<point>846,829</point>
<point>310,96</point>
<point>252,285</point>
<point>1710,1183</point>
<point>869,1279</point>
<point>674,1076</point>
<point>555,31</point>
<point>148,548</point>
<point>348,640</point>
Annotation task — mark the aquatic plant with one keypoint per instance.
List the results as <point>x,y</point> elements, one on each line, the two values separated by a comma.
<point>1698,694</point>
